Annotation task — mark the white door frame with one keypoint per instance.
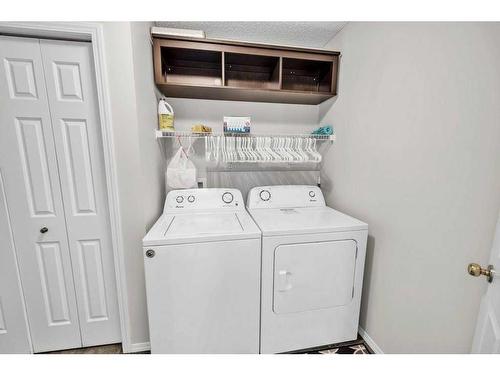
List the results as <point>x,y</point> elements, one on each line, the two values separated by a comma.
<point>93,32</point>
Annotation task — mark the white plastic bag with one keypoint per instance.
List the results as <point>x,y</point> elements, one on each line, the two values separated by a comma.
<point>181,172</point>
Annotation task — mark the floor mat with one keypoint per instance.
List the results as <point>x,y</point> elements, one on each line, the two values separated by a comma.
<point>351,349</point>
<point>357,346</point>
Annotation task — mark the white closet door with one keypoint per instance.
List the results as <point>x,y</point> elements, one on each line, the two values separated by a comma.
<point>31,183</point>
<point>13,325</point>
<point>72,97</point>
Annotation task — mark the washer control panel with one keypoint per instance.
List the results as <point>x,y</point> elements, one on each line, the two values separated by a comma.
<point>285,196</point>
<point>203,199</point>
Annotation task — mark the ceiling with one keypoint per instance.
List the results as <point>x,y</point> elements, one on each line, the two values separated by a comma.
<point>305,34</point>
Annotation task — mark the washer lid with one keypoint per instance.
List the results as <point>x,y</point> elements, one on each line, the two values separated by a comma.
<point>201,227</point>
<point>283,221</point>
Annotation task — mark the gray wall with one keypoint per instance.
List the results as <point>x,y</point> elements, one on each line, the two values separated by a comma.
<point>418,158</point>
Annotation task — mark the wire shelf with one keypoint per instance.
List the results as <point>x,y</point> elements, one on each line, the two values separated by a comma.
<point>245,148</point>
<point>186,134</point>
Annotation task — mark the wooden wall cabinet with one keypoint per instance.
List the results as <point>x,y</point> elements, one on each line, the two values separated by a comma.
<point>227,70</point>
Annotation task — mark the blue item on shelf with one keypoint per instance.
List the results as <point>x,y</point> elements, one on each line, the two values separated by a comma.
<point>324,130</point>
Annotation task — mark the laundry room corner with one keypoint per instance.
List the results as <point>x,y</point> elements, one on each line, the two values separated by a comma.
<point>141,165</point>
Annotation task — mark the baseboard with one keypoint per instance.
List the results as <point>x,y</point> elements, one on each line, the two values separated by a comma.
<point>376,349</point>
<point>138,347</point>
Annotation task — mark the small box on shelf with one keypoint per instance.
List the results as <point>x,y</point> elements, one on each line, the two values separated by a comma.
<point>239,125</point>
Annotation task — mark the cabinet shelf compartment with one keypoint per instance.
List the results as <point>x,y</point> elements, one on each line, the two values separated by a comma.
<point>251,71</point>
<point>185,66</point>
<point>232,70</point>
<point>307,75</point>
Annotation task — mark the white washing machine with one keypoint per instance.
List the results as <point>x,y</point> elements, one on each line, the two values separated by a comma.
<point>312,268</point>
<point>202,265</point>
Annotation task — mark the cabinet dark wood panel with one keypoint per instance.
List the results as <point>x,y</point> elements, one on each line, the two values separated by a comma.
<point>227,70</point>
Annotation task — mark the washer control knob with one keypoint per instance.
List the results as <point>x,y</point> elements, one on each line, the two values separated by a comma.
<point>179,199</point>
<point>191,199</point>
<point>265,195</point>
<point>312,194</point>
<point>227,197</point>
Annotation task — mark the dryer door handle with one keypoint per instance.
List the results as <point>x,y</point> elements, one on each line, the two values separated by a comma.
<point>284,281</point>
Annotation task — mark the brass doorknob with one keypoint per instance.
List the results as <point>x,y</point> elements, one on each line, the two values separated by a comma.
<point>476,270</point>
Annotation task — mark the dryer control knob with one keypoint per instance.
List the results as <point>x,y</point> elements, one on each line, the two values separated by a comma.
<point>312,194</point>
<point>191,199</point>
<point>179,199</point>
<point>227,197</point>
<point>265,195</point>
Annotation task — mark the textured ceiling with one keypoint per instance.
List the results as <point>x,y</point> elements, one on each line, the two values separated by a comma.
<point>306,34</point>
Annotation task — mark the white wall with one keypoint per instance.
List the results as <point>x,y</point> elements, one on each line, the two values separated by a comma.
<point>128,56</point>
<point>128,150</point>
<point>152,165</point>
<point>266,117</point>
<point>417,157</point>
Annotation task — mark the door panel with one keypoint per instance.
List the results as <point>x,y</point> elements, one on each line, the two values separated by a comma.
<point>53,283</point>
<point>312,276</point>
<point>20,76</point>
<point>67,81</point>
<point>13,325</point>
<point>79,170</point>
<point>3,327</point>
<point>487,335</point>
<point>33,152</point>
<point>490,344</point>
<point>69,78</point>
<point>93,280</point>
<point>31,182</point>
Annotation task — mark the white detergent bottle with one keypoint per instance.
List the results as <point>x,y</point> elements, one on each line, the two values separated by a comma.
<point>165,116</point>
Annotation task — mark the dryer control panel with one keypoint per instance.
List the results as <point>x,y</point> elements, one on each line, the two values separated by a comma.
<point>203,199</point>
<point>285,196</point>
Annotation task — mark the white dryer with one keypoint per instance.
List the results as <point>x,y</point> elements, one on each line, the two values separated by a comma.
<point>202,266</point>
<point>312,268</point>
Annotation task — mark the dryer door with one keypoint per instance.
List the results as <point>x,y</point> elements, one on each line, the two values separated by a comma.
<point>313,276</point>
